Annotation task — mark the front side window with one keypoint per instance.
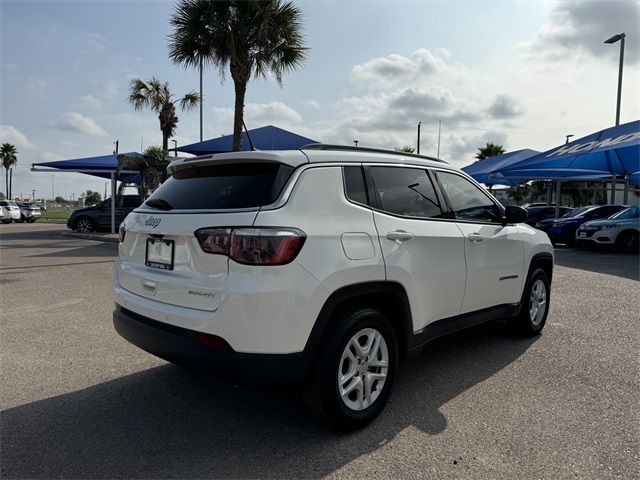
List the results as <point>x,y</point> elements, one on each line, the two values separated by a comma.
<point>406,191</point>
<point>467,201</point>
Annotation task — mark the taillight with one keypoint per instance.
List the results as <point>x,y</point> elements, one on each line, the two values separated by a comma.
<point>253,246</point>
<point>121,232</point>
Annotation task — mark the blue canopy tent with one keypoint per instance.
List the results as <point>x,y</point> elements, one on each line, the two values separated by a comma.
<point>481,170</point>
<point>609,153</point>
<point>103,166</point>
<point>263,138</point>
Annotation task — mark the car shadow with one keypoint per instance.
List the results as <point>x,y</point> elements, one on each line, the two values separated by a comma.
<point>600,260</point>
<point>169,422</point>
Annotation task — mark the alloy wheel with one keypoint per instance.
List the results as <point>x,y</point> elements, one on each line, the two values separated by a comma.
<point>84,226</point>
<point>363,369</point>
<point>538,302</point>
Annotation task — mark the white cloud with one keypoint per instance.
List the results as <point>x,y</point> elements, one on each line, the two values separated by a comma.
<point>36,86</point>
<point>90,101</point>
<point>10,67</point>
<point>96,40</point>
<point>10,134</point>
<point>505,106</point>
<point>67,143</point>
<point>310,104</point>
<point>78,123</point>
<point>581,27</point>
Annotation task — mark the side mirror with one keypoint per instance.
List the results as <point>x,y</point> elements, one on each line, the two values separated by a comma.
<point>514,214</point>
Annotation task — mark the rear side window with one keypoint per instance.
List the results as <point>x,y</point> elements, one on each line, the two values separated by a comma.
<point>354,185</point>
<point>218,187</point>
<point>407,192</point>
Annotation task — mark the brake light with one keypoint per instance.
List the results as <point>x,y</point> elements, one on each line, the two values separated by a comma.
<point>121,232</point>
<point>253,246</point>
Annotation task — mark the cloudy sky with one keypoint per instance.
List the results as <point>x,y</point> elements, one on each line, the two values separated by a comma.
<point>519,73</point>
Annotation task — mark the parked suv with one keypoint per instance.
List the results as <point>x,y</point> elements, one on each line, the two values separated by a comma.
<point>99,216</point>
<point>10,211</point>
<point>326,265</point>
<point>29,212</point>
<point>621,230</point>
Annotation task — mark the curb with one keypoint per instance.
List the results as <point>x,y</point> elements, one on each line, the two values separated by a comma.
<point>90,236</point>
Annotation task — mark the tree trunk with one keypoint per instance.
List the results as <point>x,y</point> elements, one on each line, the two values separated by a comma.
<point>238,116</point>
<point>240,73</point>
<point>6,183</point>
<point>10,182</point>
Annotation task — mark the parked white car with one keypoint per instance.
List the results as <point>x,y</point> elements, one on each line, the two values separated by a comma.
<point>325,266</point>
<point>621,229</point>
<point>29,212</point>
<point>11,211</point>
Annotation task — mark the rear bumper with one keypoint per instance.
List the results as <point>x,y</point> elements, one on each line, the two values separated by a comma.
<point>182,346</point>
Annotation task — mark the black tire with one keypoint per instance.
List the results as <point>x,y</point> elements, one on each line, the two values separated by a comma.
<point>524,323</point>
<point>22,219</point>
<point>627,242</point>
<point>31,220</point>
<point>6,220</point>
<point>84,225</point>
<point>322,392</point>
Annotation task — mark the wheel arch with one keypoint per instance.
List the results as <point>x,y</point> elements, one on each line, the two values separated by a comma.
<point>389,298</point>
<point>543,261</point>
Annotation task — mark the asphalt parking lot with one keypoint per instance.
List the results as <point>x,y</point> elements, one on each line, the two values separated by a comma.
<point>79,402</point>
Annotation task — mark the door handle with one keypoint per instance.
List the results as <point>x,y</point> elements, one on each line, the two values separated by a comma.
<point>400,236</point>
<point>476,237</point>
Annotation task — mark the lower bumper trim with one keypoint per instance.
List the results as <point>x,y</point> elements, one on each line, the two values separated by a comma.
<point>181,346</point>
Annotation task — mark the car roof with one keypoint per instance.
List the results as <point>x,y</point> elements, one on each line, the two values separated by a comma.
<point>315,153</point>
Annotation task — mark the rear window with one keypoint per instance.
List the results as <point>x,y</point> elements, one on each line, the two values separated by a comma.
<point>219,187</point>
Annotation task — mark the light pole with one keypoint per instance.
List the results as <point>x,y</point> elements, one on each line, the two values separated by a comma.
<point>175,148</point>
<point>418,142</point>
<point>619,37</point>
<point>567,137</point>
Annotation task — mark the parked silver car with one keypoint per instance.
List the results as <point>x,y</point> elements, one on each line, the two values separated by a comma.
<point>621,229</point>
<point>29,212</point>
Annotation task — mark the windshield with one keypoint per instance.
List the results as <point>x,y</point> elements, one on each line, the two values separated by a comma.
<point>631,212</point>
<point>577,212</point>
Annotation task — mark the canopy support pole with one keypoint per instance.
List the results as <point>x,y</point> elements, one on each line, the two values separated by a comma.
<point>558,190</point>
<point>625,195</point>
<point>613,191</point>
<point>113,202</point>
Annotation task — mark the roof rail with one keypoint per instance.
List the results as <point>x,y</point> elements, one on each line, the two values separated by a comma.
<point>350,148</point>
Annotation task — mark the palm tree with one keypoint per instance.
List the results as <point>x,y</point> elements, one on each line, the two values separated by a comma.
<point>9,156</point>
<point>251,37</point>
<point>489,150</point>
<point>405,148</point>
<point>156,96</point>
<point>151,167</point>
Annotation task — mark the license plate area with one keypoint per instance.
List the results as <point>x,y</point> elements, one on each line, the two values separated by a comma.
<point>582,234</point>
<point>160,253</point>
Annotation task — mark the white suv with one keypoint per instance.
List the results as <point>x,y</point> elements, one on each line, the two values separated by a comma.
<point>327,265</point>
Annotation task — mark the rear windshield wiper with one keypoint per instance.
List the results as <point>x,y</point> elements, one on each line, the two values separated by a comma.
<point>159,203</point>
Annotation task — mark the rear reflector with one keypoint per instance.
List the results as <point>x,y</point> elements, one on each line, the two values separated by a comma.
<point>214,341</point>
<point>253,246</point>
